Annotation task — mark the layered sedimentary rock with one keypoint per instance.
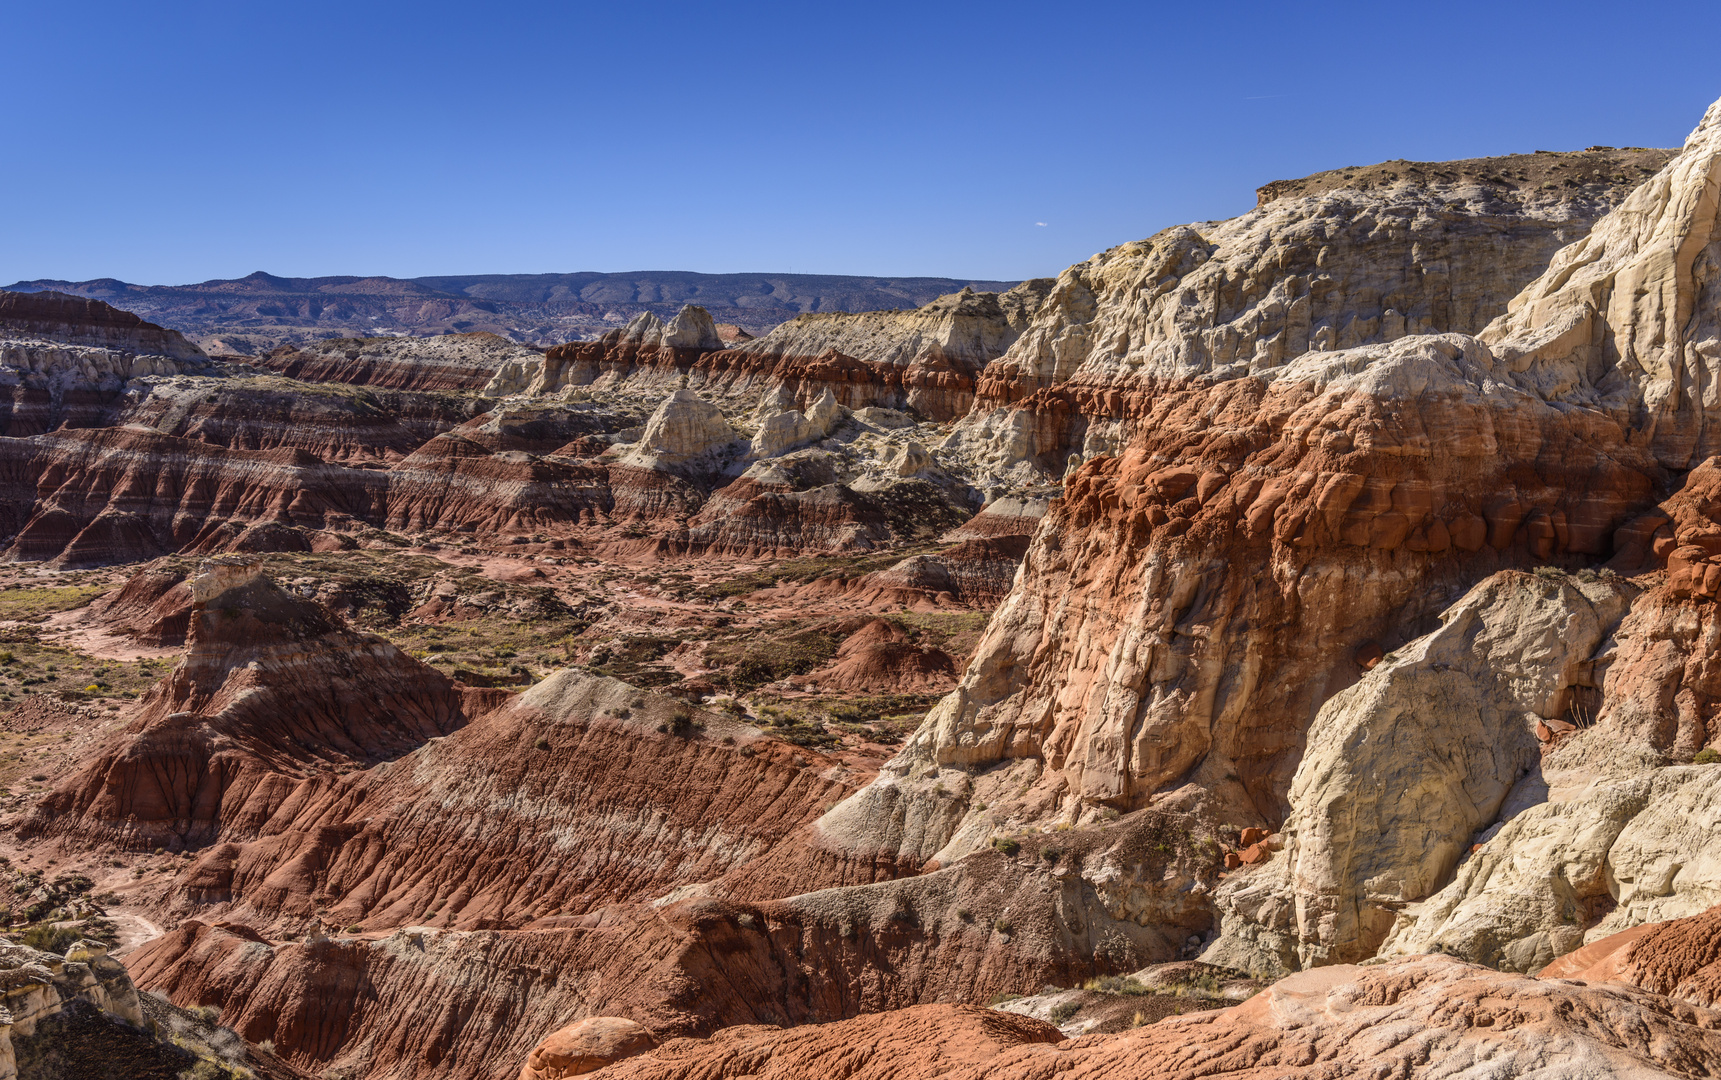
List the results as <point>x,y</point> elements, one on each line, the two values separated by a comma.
<point>115,495</point>
<point>330,421</point>
<point>1187,607</point>
<point>435,844</point>
<point>64,359</point>
<point>75,320</point>
<point>446,362</point>
<point>1368,256</point>
<point>690,963</point>
<point>1203,585</point>
<point>926,360</point>
<point>274,696</point>
<point>1428,1017</point>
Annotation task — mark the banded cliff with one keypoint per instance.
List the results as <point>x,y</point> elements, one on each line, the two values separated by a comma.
<point>1201,589</point>
<point>926,359</point>
<point>1339,260</point>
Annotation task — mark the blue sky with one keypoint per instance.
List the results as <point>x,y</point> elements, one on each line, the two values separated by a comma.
<point>179,141</point>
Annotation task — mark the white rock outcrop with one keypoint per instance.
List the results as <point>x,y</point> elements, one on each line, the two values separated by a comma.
<point>1629,317</point>
<point>1634,849</point>
<point>686,435</point>
<point>38,985</point>
<point>691,328</point>
<point>1403,768</point>
<point>790,429</point>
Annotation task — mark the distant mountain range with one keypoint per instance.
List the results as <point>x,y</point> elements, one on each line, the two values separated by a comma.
<point>254,314</point>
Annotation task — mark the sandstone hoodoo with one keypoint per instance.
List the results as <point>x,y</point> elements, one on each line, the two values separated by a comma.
<point>1259,642</point>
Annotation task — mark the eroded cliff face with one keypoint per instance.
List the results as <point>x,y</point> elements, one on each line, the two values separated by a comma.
<point>1332,262</point>
<point>925,360</point>
<point>1277,516</point>
<point>446,362</point>
<point>64,360</point>
<point>1187,607</point>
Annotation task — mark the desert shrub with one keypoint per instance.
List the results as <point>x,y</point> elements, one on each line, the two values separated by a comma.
<point>1061,1013</point>
<point>1707,756</point>
<point>1006,845</point>
<point>1117,984</point>
<point>54,939</point>
<point>1003,926</point>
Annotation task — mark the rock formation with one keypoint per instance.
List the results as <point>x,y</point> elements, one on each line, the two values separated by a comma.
<point>586,1046</point>
<point>1680,959</point>
<point>1355,563</point>
<point>40,986</point>
<point>75,320</point>
<point>446,362</point>
<point>273,698</point>
<point>1333,262</point>
<point>1427,1017</point>
<point>1403,768</point>
<point>64,359</point>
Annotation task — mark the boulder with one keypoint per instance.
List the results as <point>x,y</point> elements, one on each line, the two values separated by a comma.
<point>1405,767</point>
<point>586,1046</point>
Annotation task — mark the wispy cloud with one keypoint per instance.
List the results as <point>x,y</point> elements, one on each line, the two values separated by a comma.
<point>1041,224</point>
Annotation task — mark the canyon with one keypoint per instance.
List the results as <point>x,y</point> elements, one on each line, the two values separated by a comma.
<point>1276,647</point>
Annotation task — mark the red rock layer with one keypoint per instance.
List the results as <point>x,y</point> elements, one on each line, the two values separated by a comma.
<point>552,805</point>
<point>273,697</point>
<point>397,364</point>
<point>59,316</point>
<point>1425,1017</point>
<point>153,608</point>
<point>332,423</point>
<point>1680,958</point>
<point>939,389</point>
<point>456,482</point>
<point>93,497</point>
<point>1662,687</point>
<point>428,1003</point>
<point>1194,600</point>
<point>880,658</point>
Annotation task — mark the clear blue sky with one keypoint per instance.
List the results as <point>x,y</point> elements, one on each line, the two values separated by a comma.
<point>176,141</point>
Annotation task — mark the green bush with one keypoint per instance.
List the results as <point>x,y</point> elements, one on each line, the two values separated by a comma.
<point>1707,756</point>
<point>1006,845</point>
